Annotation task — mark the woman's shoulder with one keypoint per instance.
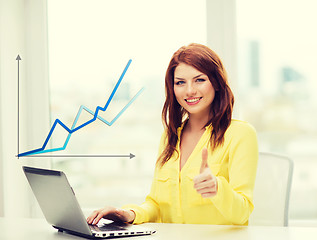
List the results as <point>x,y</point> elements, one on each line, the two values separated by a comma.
<point>239,127</point>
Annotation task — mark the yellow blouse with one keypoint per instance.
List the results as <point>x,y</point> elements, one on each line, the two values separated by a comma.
<point>173,199</point>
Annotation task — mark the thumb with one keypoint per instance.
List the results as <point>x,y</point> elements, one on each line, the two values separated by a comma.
<point>204,156</point>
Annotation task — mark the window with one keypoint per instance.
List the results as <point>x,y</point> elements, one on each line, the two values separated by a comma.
<point>277,86</point>
<point>90,43</point>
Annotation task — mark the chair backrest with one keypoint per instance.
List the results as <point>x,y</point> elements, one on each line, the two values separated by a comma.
<point>272,190</point>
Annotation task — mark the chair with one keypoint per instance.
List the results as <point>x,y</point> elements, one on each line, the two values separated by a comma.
<point>272,190</point>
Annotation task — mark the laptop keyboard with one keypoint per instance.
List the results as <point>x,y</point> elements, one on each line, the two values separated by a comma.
<point>109,227</point>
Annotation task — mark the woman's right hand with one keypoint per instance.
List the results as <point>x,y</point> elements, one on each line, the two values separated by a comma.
<point>111,213</point>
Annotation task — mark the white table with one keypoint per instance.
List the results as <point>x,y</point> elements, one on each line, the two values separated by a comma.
<point>39,229</point>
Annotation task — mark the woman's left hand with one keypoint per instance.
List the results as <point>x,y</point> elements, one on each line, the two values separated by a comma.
<point>205,183</point>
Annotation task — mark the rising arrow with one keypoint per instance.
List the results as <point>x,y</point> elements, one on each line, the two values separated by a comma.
<point>18,59</point>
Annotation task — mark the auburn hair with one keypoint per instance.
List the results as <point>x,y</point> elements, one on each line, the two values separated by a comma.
<point>206,61</point>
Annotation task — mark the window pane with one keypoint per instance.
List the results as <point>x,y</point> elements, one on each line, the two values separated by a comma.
<point>90,42</point>
<point>277,86</point>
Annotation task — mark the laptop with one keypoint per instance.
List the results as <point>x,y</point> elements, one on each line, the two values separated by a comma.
<point>61,208</point>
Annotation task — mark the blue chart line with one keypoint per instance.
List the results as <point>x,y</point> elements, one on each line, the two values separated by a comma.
<point>95,116</point>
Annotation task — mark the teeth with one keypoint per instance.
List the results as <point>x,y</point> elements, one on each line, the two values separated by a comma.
<point>192,100</point>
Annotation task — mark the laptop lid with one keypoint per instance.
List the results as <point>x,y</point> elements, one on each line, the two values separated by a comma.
<point>57,199</point>
<point>61,209</point>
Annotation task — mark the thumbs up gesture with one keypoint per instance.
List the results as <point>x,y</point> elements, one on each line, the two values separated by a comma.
<point>205,183</point>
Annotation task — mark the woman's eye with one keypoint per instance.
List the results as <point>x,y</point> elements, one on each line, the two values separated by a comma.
<point>179,82</point>
<point>201,80</point>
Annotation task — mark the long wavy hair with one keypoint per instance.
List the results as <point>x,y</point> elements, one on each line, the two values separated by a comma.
<point>206,61</point>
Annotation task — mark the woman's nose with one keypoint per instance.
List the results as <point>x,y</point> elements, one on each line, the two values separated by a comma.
<point>190,90</point>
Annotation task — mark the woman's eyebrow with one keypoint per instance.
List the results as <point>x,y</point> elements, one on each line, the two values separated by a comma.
<point>179,78</point>
<point>198,76</point>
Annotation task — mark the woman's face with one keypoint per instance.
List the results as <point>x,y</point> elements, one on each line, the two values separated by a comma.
<point>193,90</point>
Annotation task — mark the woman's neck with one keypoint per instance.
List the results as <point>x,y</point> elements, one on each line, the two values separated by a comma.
<point>197,123</point>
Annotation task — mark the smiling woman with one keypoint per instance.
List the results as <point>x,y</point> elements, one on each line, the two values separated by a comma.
<point>194,60</point>
<point>206,169</point>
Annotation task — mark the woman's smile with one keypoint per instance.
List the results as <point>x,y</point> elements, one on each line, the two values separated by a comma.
<point>193,101</point>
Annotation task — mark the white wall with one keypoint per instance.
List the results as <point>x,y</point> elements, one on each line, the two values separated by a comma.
<point>23,31</point>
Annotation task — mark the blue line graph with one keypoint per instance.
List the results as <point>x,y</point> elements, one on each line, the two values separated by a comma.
<point>95,116</point>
